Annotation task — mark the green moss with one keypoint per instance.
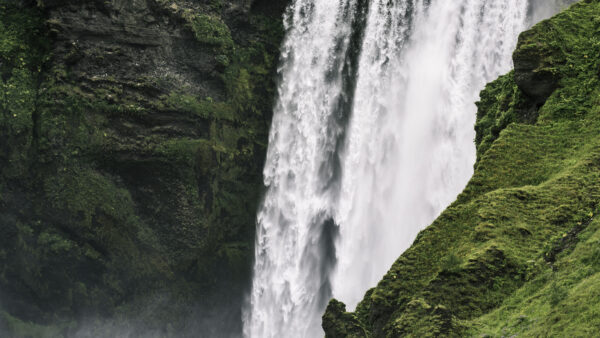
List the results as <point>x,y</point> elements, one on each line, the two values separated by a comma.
<point>341,324</point>
<point>211,30</point>
<point>499,106</point>
<point>555,303</point>
<point>87,193</point>
<point>247,70</point>
<point>55,242</point>
<point>22,53</point>
<point>207,108</point>
<point>184,151</point>
<point>252,65</point>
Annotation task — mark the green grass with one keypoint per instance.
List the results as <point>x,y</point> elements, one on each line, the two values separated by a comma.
<point>564,303</point>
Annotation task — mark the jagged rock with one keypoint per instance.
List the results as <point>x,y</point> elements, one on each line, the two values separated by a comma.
<point>536,62</point>
<point>338,323</point>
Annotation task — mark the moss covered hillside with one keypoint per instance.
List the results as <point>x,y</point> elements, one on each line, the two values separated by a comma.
<point>518,254</point>
<point>132,136</point>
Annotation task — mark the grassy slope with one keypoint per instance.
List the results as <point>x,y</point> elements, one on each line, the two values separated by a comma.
<point>518,252</point>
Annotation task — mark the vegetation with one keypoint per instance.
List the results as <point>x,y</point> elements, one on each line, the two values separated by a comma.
<point>211,30</point>
<point>125,190</point>
<point>516,254</point>
<point>106,209</point>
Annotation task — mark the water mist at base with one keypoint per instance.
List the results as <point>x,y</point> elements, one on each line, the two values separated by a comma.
<point>366,149</point>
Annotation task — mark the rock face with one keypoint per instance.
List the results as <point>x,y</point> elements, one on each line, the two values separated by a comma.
<point>517,253</point>
<point>133,136</point>
<point>340,324</point>
<point>536,63</point>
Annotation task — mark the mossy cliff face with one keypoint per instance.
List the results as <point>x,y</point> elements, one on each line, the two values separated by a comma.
<point>131,148</point>
<point>517,253</point>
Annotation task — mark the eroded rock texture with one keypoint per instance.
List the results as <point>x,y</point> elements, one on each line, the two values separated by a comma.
<point>133,136</point>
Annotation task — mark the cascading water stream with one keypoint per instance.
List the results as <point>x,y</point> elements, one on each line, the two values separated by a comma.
<point>290,276</point>
<point>410,144</point>
<point>366,149</point>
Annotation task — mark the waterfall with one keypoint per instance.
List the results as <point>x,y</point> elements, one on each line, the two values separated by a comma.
<point>410,144</point>
<point>372,137</point>
<point>291,286</point>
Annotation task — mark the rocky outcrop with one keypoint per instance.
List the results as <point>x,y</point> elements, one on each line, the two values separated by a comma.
<point>340,324</point>
<point>536,63</point>
<point>133,136</point>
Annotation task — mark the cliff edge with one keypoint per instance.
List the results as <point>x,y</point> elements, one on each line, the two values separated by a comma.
<point>518,253</point>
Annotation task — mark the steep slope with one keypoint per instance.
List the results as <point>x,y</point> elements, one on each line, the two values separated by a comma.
<point>517,252</point>
<point>132,139</point>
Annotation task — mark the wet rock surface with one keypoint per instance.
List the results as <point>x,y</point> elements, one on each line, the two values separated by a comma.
<point>131,177</point>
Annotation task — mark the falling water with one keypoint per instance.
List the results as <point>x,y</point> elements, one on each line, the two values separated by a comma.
<point>290,286</point>
<point>410,142</point>
<point>366,149</point>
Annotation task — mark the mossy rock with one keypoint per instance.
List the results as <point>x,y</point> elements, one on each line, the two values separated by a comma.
<point>131,155</point>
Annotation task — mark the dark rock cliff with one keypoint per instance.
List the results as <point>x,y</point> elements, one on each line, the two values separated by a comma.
<point>131,148</point>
